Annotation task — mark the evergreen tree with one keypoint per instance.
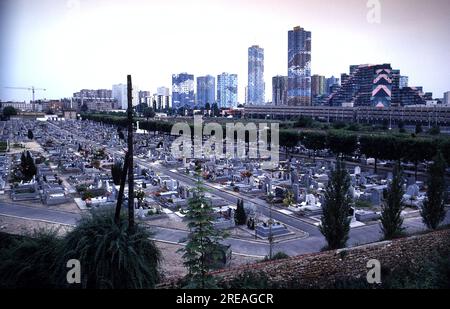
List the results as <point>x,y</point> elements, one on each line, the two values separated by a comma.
<point>391,219</point>
<point>27,166</point>
<point>335,224</point>
<point>419,128</point>
<point>433,210</point>
<point>203,245</point>
<point>30,134</point>
<point>240,217</point>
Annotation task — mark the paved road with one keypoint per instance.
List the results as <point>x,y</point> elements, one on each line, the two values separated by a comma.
<point>313,243</point>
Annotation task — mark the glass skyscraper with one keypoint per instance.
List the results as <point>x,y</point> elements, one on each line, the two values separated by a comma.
<point>299,67</point>
<point>183,90</point>
<point>206,90</point>
<point>227,87</point>
<point>256,86</point>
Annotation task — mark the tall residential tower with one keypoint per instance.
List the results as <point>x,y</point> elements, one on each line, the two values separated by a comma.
<point>256,86</point>
<point>299,67</point>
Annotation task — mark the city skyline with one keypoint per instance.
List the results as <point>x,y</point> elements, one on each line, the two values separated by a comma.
<point>65,46</point>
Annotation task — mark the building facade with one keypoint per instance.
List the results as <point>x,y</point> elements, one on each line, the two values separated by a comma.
<point>183,91</point>
<point>299,67</point>
<point>318,85</point>
<point>446,99</point>
<point>256,85</point>
<point>206,90</point>
<point>227,90</point>
<point>279,90</point>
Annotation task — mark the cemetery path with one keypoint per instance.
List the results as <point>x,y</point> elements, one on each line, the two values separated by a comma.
<point>314,243</point>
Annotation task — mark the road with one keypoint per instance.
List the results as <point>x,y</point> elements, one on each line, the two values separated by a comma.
<point>314,243</point>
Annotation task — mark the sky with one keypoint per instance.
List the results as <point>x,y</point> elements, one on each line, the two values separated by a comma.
<point>68,45</point>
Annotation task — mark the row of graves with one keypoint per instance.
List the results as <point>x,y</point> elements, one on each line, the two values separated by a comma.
<point>298,186</point>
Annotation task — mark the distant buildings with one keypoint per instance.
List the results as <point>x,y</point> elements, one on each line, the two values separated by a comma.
<point>119,93</point>
<point>256,85</point>
<point>331,84</point>
<point>403,82</point>
<point>97,100</point>
<point>375,86</point>
<point>446,99</point>
<point>227,90</point>
<point>206,90</point>
<point>279,90</point>
<point>299,67</point>
<point>318,85</point>
<point>183,90</point>
<point>162,99</point>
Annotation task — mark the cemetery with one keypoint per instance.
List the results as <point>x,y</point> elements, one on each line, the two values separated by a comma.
<point>75,161</point>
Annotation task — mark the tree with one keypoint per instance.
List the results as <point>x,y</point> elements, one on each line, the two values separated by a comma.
<point>240,217</point>
<point>435,130</point>
<point>315,141</point>
<point>207,106</point>
<point>9,111</point>
<point>419,128</point>
<point>84,108</point>
<point>30,134</point>
<point>289,140</point>
<point>27,166</point>
<point>116,172</point>
<point>372,147</point>
<point>335,225</point>
<point>149,113</point>
<point>391,219</point>
<point>433,210</point>
<point>203,245</point>
<point>215,110</point>
<point>342,144</point>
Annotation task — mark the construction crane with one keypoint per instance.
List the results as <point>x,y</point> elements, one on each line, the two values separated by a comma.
<point>32,89</point>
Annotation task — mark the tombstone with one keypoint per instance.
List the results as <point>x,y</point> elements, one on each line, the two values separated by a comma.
<point>268,185</point>
<point>294,177</point>
<point>413,190</point>
<point>363,180</point>
<point>357,170</point>
<point>352,192</point>
<point>251,182</point>
<point>140,213</point>
<point>375,197</point>
<point>295,189</point>
<point>310,200</point>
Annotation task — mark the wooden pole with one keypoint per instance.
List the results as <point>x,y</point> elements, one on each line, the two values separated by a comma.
<point>123,179</point>
<point>130,156</point>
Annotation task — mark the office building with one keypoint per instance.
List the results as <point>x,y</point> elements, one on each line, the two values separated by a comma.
<point>227,90</point>
<point>206,90</point>
<point>183,91</point>
<point>256,85</point>
<point>299,67</point>
<point>279,90</point>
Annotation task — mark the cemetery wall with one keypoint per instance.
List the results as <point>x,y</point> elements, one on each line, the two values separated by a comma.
<point>322,269</point>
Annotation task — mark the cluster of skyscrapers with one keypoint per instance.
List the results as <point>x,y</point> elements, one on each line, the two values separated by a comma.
<point>365,85</point>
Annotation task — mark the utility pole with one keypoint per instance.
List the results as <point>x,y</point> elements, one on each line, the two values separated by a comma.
<point>130,156</point>
<point>270,226</point>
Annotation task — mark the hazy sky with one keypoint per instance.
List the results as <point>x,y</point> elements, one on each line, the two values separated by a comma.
<point>67,45</point>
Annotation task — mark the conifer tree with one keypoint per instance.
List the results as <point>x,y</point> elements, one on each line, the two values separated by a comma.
<point>335,225</point>
<point>240,216</point>
<point>391,219</point>
<point>433,210</point>
<point>203,244</point>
